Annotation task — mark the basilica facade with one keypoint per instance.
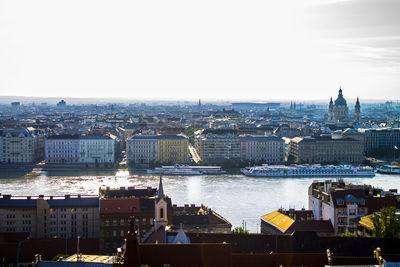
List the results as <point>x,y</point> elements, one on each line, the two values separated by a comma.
<point>338,112</point>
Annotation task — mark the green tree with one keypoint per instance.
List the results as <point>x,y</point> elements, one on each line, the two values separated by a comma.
<point>386,223</point>
<point>239,230</point>
<point>348,234</point>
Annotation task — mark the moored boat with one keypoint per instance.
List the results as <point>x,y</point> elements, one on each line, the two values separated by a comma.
<point>388,169</point>
<point>187,170</point>
<point>308,171</point>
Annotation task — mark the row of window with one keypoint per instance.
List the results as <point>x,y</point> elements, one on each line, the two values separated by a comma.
<point>122,222</point>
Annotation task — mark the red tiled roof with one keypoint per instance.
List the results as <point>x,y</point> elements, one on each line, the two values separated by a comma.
<point>121,205</point>
<point>156,236</point>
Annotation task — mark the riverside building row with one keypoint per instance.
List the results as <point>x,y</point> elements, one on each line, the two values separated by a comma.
<point>213,149</point>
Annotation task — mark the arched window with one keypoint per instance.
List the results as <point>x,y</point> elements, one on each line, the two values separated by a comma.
<point>161,213</point>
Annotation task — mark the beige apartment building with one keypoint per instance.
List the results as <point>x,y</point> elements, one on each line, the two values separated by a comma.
<point>173,149</point>
<point>21,145</point>
<point>49,217</point>
<point>215,149</point>
<point>164,148</point>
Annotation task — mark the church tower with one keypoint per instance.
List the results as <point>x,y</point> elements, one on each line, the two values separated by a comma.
<point>357,111</point>
<point>330,111</point>
<point>160,208</point>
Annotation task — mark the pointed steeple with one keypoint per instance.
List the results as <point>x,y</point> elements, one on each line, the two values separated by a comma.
<point>132,229</point>
<point>160,189</point>
<point>132,253</point>
<point>331,102</point>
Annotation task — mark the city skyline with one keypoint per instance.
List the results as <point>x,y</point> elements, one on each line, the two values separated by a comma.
<point>224,50</point>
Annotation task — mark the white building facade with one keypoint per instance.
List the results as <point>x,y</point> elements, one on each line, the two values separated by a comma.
<point>72,149</point>
<point>62,149</point>
<point>96,149</point>
<point>142,149</point>
<point>262,149</point>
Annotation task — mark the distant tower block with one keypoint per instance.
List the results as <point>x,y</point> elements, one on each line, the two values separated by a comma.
<point>357,111</point>
<point>330,111</point>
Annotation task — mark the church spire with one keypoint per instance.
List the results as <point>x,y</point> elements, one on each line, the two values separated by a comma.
<point>160,189</point>
<point>132,253</point>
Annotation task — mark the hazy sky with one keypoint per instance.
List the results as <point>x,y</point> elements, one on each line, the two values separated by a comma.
<point>262,50</point>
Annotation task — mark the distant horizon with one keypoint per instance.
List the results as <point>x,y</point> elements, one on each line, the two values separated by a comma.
<point>111,100</point>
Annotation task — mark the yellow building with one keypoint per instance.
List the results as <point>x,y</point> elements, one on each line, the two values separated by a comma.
<point>173,149</point>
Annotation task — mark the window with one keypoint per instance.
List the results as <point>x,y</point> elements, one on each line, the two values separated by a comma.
<point>161,213</point>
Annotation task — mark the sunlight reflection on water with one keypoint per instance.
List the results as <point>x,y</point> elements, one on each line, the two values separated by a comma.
<point>235,197</point>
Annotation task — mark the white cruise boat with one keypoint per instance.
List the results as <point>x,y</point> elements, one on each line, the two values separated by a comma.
<point>388,169</point>
<point>308,171</point>
<point>187,170</point>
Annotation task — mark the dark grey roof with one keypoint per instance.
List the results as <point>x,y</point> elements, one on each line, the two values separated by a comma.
<point>17,203</point>
<point>161,136</point>
<point>261,138</point>
<point>63,136</point>
<point>74,202</point>
<point>95,137</point>
<point>340,101</point>
<point>16,132</point>
<point>328,139</point>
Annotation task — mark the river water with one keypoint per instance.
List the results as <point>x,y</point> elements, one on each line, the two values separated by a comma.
<point>240,199</point>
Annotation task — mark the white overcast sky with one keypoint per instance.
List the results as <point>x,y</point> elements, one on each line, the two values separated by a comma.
<point>248,49</point>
